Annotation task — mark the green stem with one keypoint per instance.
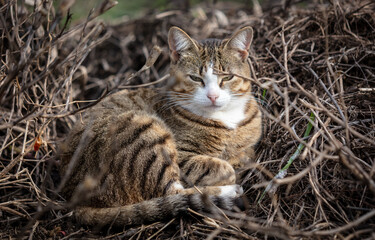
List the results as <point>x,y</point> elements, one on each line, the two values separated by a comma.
<point>300,147</point>
<point>264,96</point>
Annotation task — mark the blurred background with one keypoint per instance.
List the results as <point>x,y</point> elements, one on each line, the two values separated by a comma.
<point>129,9</point>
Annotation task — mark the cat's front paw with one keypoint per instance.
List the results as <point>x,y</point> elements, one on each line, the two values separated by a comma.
<point>242,160</point>
<point>231,191</point>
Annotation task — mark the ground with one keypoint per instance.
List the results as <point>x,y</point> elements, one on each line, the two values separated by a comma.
<point>312,72</point>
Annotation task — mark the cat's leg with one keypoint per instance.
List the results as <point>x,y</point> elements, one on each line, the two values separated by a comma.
<point>146,165</point>
<point>203,170</point>
<point>242,159</point>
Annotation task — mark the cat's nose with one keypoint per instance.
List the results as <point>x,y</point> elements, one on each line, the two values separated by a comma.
<point>212,97</point>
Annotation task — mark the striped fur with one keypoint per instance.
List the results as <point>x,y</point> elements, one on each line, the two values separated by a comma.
<point>134,157</point>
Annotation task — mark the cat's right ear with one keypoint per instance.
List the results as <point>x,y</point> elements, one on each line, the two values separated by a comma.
<point>179,41</point>
<point>241,41</point>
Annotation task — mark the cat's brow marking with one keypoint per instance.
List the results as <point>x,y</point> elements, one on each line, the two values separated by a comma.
<point>210,76</point>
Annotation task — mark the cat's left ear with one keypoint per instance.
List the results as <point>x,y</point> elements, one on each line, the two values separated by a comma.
<point>241,41</point>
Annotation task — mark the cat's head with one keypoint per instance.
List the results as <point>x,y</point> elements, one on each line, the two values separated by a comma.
<point>195,66</point>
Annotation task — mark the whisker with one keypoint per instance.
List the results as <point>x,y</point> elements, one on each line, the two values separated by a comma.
<point>174,102</point>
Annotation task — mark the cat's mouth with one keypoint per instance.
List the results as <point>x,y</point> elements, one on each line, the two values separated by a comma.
<point>214,107</point>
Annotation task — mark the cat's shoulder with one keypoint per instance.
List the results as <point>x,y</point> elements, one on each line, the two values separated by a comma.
<point>135,99</point>
<point>141,92</point>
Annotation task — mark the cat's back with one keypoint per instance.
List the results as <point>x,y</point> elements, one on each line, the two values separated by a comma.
<point>109,115</point>
<point>110,128</point>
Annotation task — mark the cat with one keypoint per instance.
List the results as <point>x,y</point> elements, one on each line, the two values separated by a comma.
<point>137,156</point>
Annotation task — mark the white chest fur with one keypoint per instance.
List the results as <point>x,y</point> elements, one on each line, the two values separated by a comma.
<point>232,114</point>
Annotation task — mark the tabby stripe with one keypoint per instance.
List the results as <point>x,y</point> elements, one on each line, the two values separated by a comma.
<point>70,152</point>
<point>168,186</point>
<point>146,170</point>
<point>218,201</point>
<point>124,122</point>
<point>172,157</point>
<point>191,203</point>
<point>138,213</point>
<point>80,161</point>
<point>249,120</point>
<point>96,142</point>
<point>219,56</point>
<point>240,146</point>
<point>165,208</point>
<point>188,150</point>
<point>213,149</point>
<point>107,106</point>
<point>117,103</point>
<point>216,138</point>
<point>200,70</point>
<point>160,178</point>
<point>202,176</point>
<point>135,135</point>
<point>248,106</point>
<point>189,170</point>
<point>132,98</point>
<point>209,147</point>
<point>182,163</point>
<point>191,143</point>
<point>208,123</point>
<point>141,146</point>
<point>161,175</point>
<point>170,209</point>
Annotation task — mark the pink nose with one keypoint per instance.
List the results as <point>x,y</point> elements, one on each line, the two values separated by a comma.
<point>212,97</point>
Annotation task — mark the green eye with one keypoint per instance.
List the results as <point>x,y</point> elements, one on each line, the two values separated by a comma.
<point>196,79</point>
<point>227,78</point>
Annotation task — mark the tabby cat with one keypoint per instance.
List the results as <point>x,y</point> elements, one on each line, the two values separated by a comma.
<point>136,156</point>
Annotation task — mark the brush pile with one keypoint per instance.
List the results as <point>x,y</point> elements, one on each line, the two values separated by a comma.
<point>313,68</point>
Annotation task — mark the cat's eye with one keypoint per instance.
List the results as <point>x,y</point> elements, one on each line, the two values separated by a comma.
<point>196,79</point>
<point>227,78</point>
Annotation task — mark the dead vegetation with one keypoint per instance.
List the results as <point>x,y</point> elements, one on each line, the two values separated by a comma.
<point>306,59</point>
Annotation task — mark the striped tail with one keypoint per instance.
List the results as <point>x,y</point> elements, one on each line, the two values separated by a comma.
<point>156,209</point>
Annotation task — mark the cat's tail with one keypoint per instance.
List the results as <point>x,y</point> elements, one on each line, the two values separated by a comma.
<point>159,209</point>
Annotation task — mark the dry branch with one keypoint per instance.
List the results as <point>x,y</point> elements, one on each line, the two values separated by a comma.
<point>315,58</point>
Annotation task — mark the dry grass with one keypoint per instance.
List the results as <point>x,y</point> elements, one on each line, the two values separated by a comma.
<point>315,59</point>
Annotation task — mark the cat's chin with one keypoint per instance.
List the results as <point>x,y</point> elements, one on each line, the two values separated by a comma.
<point>213,108</point>
<point>204,110</point>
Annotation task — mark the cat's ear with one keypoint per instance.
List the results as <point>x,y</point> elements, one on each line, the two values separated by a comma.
<point>179,41</point>
<point>241,41</point>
